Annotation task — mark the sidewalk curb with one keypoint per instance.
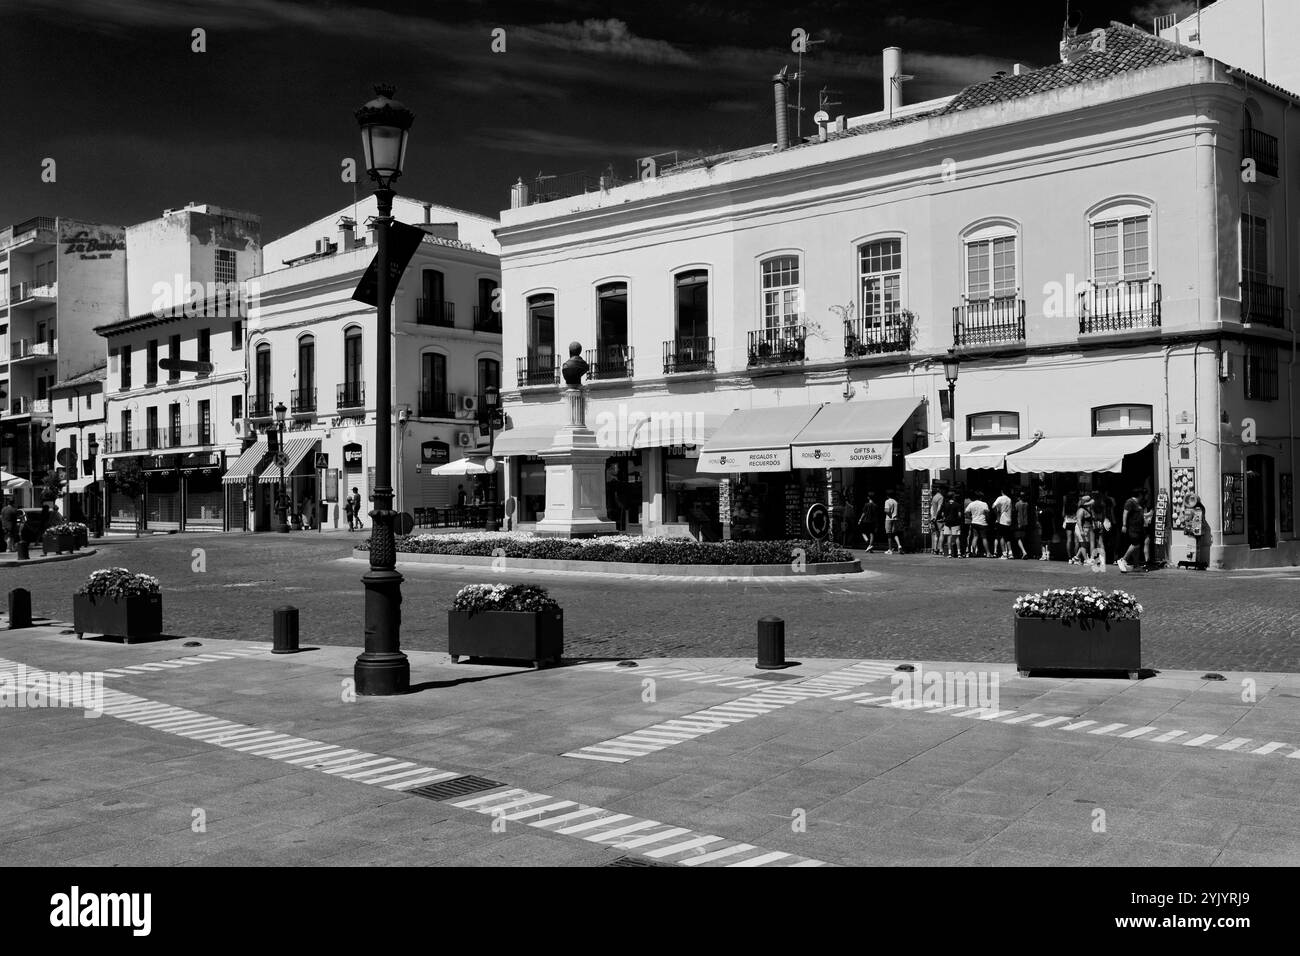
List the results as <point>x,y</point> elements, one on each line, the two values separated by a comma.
<point>625,567</point>
<point>48,558</point>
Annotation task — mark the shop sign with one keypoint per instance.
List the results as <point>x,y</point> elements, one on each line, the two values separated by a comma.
<point>851,455</point>
<point>434,453</point>
<point>725,462</point>
<point>160,463</point>
<point>352,456</point>
<point>1162,515</point>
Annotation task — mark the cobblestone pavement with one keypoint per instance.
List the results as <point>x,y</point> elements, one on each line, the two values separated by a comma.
<point>909,606</point>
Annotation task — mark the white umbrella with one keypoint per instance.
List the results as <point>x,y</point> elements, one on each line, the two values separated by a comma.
<point>10,482</point>
<point>460,468</point>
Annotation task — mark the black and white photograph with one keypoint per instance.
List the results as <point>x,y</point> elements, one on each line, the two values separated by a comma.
<point>500,435</point>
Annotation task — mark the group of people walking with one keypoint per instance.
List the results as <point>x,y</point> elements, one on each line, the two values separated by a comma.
<point>1094,528</point>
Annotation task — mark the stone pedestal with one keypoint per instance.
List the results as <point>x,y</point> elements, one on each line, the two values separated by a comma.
<point>575,477</point>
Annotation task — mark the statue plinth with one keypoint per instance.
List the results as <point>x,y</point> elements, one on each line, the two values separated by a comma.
<point>575,477</point>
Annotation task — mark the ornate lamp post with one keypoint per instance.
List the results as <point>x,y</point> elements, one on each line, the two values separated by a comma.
<point>492,399</point>
<point>282,498</point>
<point>950,366</point>
<point>382,668</point>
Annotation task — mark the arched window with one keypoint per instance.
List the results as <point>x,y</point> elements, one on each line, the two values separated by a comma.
<point>432,307</point>
<point>489,375</point>
<point>1122,420</point>
<point>781,292</point>
<point>991,262</point>
<point>304,396</point>
<point>692,304</point>
<point>611,331</point>
<point>352,392</point>
<point>435,400</point>
<point>880,282</point>
<point>989,426</point>
<point>260,401</point>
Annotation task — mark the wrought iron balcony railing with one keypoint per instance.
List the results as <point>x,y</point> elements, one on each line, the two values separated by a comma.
<point>610,361</point>
<point>302,401</point>
<point>437,405</point>
<point>1262,148</point>
<point>261,406</point>
<point>1263,304</point>
<point>692,354</point>
<point>351,395</point>
<point>1119,306</point>
<point>486,320</point>
<point>778,345</point>
<point>876,335</point>
<point>537,368</point>
<point>988,321</point>
<point>435,312</point>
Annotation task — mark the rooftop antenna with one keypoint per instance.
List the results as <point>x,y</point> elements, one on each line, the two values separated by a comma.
<point>798,114</point>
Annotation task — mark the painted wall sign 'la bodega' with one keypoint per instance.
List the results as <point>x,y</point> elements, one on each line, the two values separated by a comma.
<point>90,246</point>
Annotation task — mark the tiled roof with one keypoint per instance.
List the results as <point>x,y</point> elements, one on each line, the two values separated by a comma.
<point>1127,49</point>
<point>94,375</point>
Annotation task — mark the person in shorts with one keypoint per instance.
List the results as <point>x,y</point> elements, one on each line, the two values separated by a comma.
<point>978,510</point>
<point>936,522</point>
<point>1000,525</point>
<point>1020,526</point>
<point>891,524</point>
<point>1046,530</point>
<point>867,522</point>
<point>952,521</point>
<point>1083,532</point>
<point>1134,531</point>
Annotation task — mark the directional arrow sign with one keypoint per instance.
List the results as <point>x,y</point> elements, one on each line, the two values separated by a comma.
<point>403,240</point>
<point>185,365</point>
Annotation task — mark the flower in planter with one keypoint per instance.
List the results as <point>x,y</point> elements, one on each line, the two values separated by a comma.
<point>68,527</point>
<point>503,597</point>
<point>119,583</point>
<point>1073,604</point>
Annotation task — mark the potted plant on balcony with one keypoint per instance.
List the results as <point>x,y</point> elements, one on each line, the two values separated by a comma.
<point>508,622</point>
<point>116,602</point>
<point>1078,629</point>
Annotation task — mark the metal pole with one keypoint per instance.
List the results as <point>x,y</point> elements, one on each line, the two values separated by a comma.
<point>952,438</point>
<point>382,669</point>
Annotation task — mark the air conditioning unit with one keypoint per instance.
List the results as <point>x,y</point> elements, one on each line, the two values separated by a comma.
<point>1225,366</point>
<point>464,440</point>
<point>468,403</point>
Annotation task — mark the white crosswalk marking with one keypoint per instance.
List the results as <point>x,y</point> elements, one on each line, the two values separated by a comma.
<point>1197,741</point>
<point>1269,747</point>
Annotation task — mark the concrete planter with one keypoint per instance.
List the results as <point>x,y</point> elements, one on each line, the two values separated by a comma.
<point>535,636</point>
<point>1085,646</point>
<point>131,619</point>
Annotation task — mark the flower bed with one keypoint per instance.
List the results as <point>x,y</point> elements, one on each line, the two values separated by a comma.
<point>622,548</point>
<point>116,602</point>
<point>119,583</point>
<point>505,622</point>
<point>1075,604</point>
<point>503,597</point>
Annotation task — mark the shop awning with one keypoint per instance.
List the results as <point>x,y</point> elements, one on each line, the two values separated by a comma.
<point>524,440</point>
<point>296,449</point>
<point>853,434</point>
<point>755,439</point>
<point>970,454</point>
<point>247,464</point>
<point>1083,455</point>
<point>666,429</point>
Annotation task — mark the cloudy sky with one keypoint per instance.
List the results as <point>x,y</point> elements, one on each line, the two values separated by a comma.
<point>137,122</point>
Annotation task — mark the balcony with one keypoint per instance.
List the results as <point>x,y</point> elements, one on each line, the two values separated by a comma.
<point>36,349</point>
<point>351,396</point>
<point>609,361</point>
<point>1262,148</point>
<point>40,228</point>
<point>29,293</point>
<point>693,354</point>
<point>435,312</point>
<point>877,335</point>
<point>436,405</point>
<point>1120,306</point>
<point>538,368</point>
<point>1263,304</point>
<point>302,401</point>
<point>20,405</point>
<point>988,321</point>
<point>40,406</point>
<point>778,345</point>
<point>486,320</point>
<point>261,406</point>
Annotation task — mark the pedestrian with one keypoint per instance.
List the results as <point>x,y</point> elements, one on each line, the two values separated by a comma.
<point>1134,531</point>
<point>967,534</point>
<point>1101,526</point>
<point>1069,524</point>
<point>936,522</point>
<point>848,523</point>
<point>952,518</point>
<point>9,525</point>
<point>1046,529</point>
<point>891,524</point>
<point>1148,530</point>
<point>1001,525</point>
<point>1083,531</point>
<point>460,496</point>
<point>355,501</point>
<point>1020,525</point>
<point>867,522</point>
<point>978,510</point>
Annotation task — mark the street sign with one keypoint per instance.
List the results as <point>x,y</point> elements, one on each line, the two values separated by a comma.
<point>281,458</point>
<point>185,365</point>
<point>322,460</point>
<point>403,240</point>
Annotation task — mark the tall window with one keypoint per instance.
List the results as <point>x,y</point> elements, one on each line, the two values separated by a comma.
<point>236,335</point>
<point>305,399</point>
<point>236,407</point>
<point>1121,250</point>
<point>541,325</point>
<point>1254,249</point>
<point>431,311</point>
<point>126,430</point>
<point>174,353</point>
<point>205,422</point>
<point>262,379</point>
<point>352,357</point>
<point>692,304</point>
<point>151,362</point>
<point>489,375</point>
<point>126,366</point>
<point>611,332</point>
<point>225,266</point>
<point>151,437</point>
<point>205,345</point>
<point>991,267</point>
<point>880,269</point>
<point>781,292</point>
<point>433,384</point>
<point>174,423</point>
<point>489,318</point>
<point>1261,373</point>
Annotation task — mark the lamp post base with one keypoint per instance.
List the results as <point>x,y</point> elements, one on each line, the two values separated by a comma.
<point>281,524</point>
<point>382,669</point>
<point>382,675</point>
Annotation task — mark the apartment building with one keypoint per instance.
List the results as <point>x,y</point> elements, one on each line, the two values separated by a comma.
<point>77,405</point>
<point>59,278</point>
<point>1107,245</point>
<point>174,387</point>
<point>312,354</point>
<point>1257,36</point>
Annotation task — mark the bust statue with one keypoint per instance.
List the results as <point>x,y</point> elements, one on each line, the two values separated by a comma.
<point>575,367</point>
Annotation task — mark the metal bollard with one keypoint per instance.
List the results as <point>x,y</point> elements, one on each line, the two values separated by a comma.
<point>23,553</point>
<point>771,643</point>
<point>286,630</point>
<point>20,608</point>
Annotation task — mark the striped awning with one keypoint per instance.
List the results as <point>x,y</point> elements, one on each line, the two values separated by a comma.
<point>296,449</point>
<point>248,463</point>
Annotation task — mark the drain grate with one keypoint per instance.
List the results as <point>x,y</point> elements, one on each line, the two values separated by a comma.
<point>776,678</point>
<point>456,787</point>
<point>635,861</point>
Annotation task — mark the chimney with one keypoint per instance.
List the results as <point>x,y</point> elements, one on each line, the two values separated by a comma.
<point>348,228</point>
<point>1017,70</point>
<point>518,194</point>
<point>782,119</point>
<point>427,212</point>
<point>893,79</point>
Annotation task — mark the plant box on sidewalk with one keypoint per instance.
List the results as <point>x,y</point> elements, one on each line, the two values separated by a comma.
<point>1082,644</point>
<point>535,636</point>
<point>134,618</point>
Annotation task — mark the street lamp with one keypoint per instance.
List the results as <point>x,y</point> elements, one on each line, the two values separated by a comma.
<point>382,668</point>
<point>96,517</point>
<point>492,399</point>
<point>950,366</point>
<point>282,499</point>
